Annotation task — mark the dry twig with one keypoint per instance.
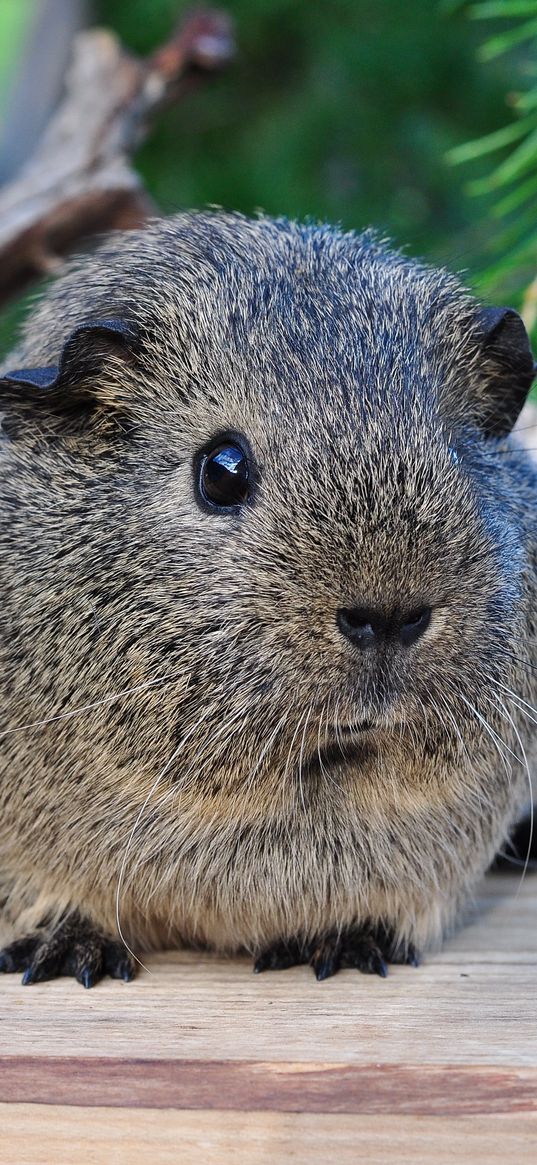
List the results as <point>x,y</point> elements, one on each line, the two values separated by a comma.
<point>80,179</point>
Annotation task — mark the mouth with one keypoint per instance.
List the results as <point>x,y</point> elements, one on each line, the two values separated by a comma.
<point>355,729</point>
<point>349,746</point>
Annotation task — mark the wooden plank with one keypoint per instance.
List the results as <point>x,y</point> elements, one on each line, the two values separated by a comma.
<point>502,926</point>
<point>57,1136</point>
<point>474,1004</point>
<point>441,1014</point>
<point>251,1086</point>
<point>203,1061</point>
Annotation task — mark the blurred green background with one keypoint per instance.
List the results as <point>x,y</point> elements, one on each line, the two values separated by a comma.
<point>338,109</point>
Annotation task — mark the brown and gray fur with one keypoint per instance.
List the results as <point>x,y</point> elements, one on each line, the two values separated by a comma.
<point>229,790</point>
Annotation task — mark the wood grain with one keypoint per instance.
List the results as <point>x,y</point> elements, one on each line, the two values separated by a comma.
<point>471,1013</point>
<point>59,1136</point>
<point>79,180</point>
<point>254,1086</point>
<point>202,1060</point>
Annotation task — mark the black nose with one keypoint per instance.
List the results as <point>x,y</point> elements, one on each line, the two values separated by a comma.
<point>365,627</point>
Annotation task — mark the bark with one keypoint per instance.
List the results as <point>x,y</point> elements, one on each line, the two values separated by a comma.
<point>81,179</point>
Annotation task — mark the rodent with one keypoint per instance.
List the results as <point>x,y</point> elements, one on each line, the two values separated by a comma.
<point>268,576</point>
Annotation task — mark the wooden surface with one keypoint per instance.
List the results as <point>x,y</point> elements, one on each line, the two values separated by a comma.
<point>201,1061</point>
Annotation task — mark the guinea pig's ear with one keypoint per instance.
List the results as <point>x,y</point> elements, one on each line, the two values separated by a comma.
<point>74,380</point>
<point>508,368</point>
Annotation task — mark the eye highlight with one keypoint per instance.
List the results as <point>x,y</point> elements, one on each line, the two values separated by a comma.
<point>224,476</point>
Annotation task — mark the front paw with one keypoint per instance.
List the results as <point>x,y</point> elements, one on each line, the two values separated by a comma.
<point>365,948</point>
<point>75,947</point>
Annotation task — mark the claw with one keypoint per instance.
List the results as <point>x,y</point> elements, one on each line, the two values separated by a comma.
<point>18,955</point>
<point>413,957</point>
<point>118,962</point>
<point>325,970</point>
<point>368,949</point>
<point>74,948</point>
<point>280,957</point>
<point>86,978</point>
<point>326,959</point>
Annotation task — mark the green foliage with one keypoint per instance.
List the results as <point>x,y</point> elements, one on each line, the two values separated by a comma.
<point>512,181</point>
<point>341,110</point>
<point>336,109</point>
<point>15,17</point>
<point>10,319</point>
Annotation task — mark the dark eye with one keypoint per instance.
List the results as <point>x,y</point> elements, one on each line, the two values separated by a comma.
<point>224,476</point>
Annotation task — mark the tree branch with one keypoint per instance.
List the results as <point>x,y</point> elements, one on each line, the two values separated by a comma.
<point>80,179</point>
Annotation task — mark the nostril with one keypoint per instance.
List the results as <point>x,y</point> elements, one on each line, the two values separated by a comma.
<point>413,625</point>
<point>366,627</point>
<point>359,625</point>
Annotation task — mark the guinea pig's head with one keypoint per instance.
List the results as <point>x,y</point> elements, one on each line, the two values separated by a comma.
<point>279,452</point>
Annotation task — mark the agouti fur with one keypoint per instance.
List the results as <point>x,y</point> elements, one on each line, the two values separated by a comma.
<point>214,732</point>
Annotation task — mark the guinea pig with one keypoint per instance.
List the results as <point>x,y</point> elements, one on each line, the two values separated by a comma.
<point>268,578</point>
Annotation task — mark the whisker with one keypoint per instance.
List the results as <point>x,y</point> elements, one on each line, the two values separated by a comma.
<point>497,741</point>
<point>450,714</point>
<point>291,745</point>
<point>301,757</point>
<point>328,721</point>
<point>525,428</point>
<point>519,660</point>
<point>200,764</point>
<point>327,776</point>
<point>141,811</point>
<point>95,704</point>
<point>514,861</point>
<point>524,703</point>
<point>199,759</point>
<point>264,751</point>
<point>527,767</point>
<point>339,740</point>
<point>249,779</point>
